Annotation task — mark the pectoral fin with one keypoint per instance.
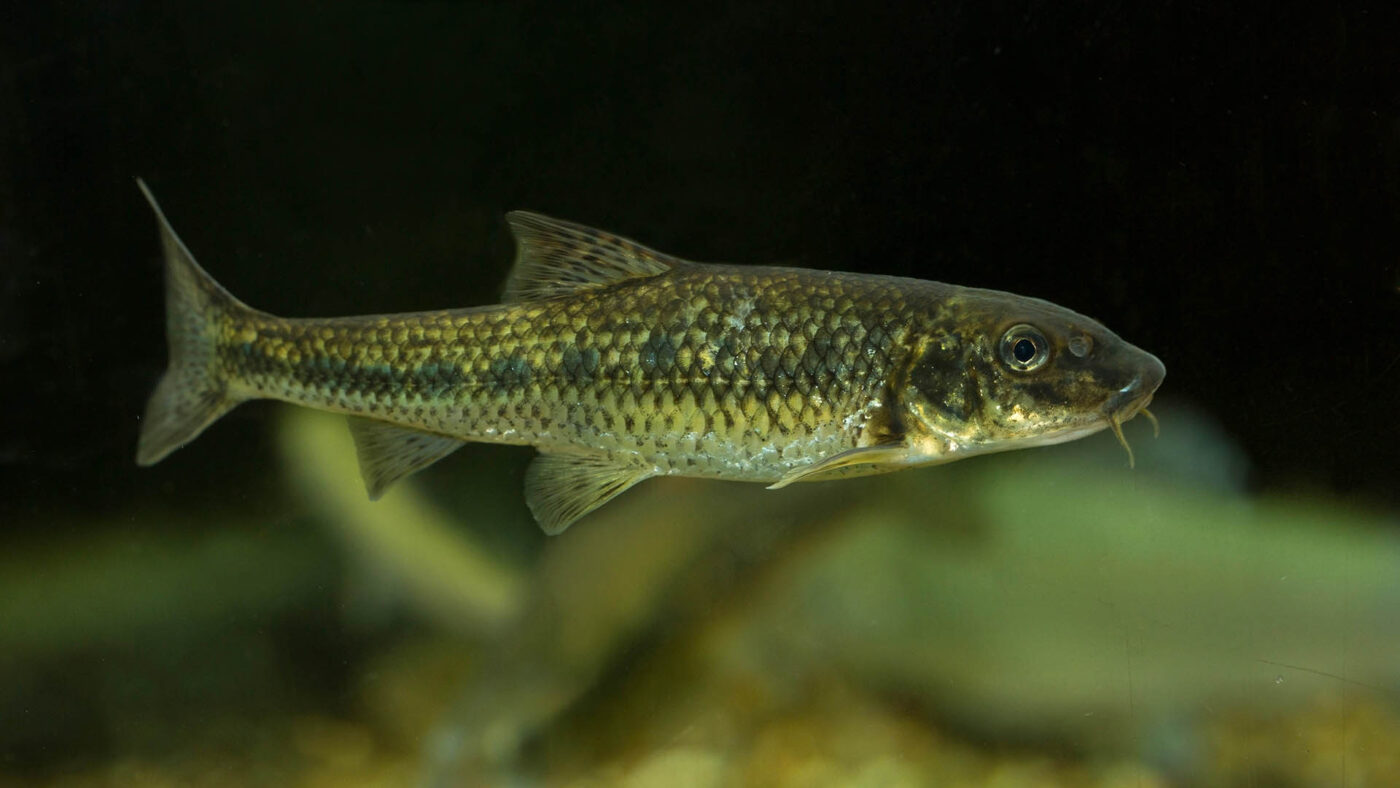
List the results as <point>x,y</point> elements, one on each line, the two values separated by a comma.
<point>389,453</point>
<point>885,453</point>
<point>561,488</point>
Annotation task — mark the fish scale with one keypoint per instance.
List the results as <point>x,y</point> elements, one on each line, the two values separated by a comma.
<point>620,363</point>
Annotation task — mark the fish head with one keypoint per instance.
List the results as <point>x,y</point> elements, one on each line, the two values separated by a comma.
<point>1002,372</point>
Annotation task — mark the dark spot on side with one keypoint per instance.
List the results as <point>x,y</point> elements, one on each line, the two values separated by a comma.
<point>814,357</point>
<point>362,378</point>
<point>877,336</point>
<point>511,373</point>
<point>435,380</point>
<point>728,360</point>
<point>658,354</point>
<point>579,367</point>
<point>768,362</point>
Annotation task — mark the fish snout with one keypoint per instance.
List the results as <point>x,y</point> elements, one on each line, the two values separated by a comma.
<point>1134,396</point>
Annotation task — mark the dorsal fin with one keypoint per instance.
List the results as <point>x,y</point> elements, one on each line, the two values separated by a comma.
<point>554,257</point>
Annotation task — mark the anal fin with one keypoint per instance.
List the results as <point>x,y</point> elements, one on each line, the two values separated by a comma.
<point>388,452</point>
<point>561,488</point>
<point>881,454</point>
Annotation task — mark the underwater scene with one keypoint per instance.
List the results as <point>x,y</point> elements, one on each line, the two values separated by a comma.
<point>512,394</point>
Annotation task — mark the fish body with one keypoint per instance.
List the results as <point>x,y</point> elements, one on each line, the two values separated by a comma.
<point>620,363</point>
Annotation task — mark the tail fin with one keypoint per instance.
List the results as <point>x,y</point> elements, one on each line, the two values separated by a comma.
<point>193,393</point>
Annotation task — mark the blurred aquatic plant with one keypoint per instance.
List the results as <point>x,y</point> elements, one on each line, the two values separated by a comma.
<point>1046,596</point>
<point>405,544</point>
<point>131,583</point>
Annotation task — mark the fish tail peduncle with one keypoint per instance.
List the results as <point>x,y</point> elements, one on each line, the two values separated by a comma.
<point>193,392</point>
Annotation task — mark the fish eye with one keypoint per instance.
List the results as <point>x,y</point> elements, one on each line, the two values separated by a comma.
<point>1023,348</point>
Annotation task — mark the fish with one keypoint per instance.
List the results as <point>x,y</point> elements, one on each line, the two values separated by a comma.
<point>620,363</point>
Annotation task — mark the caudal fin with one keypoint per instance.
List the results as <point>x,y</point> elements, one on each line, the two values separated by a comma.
<point>193,393</point>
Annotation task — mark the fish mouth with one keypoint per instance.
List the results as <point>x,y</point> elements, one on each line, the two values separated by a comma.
<point>1133,399</point>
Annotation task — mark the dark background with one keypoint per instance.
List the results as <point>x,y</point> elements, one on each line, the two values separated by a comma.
<point>1219,186</point>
